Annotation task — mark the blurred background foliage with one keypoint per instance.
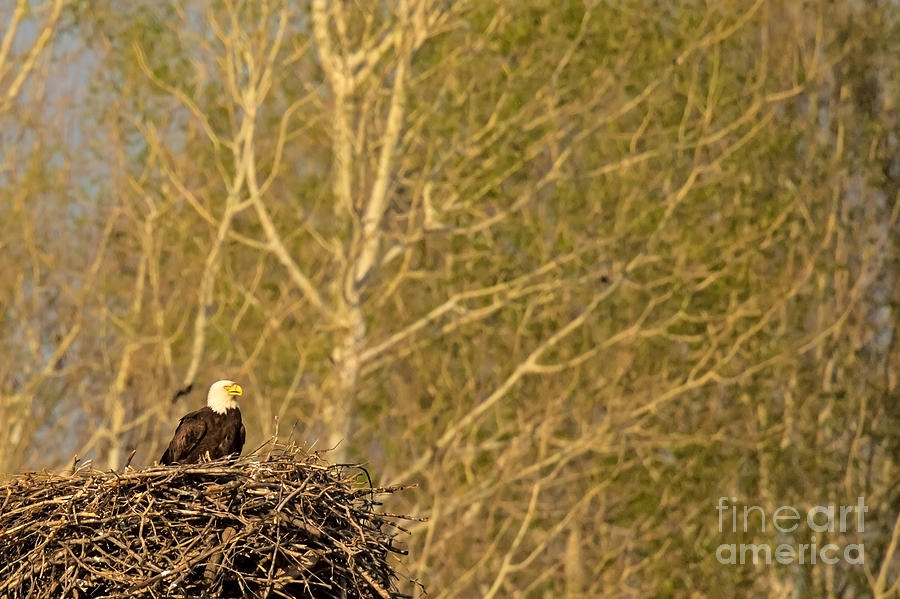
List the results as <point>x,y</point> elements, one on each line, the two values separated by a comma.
<point>577,269</point>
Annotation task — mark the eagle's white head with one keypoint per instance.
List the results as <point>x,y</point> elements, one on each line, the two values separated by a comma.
<point>223,395</point>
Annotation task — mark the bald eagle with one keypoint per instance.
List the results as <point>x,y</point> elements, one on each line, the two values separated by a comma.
<point>216,429</point>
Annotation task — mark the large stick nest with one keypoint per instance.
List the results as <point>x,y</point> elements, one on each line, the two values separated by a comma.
<point>278,523</point>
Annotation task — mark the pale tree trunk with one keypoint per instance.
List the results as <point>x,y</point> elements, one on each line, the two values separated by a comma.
<point>342,69</point>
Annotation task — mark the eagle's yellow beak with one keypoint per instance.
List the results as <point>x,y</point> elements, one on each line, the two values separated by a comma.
<point>234,390</point>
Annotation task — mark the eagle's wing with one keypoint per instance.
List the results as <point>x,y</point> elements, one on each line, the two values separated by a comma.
<point>187,436</point>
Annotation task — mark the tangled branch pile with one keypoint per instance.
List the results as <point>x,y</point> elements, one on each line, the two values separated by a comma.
<point>279,523</point>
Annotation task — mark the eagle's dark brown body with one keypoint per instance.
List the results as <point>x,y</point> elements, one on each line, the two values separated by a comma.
<point>205,431</point>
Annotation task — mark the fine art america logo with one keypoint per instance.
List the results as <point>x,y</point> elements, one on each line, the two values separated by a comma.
<point>785,520</point>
